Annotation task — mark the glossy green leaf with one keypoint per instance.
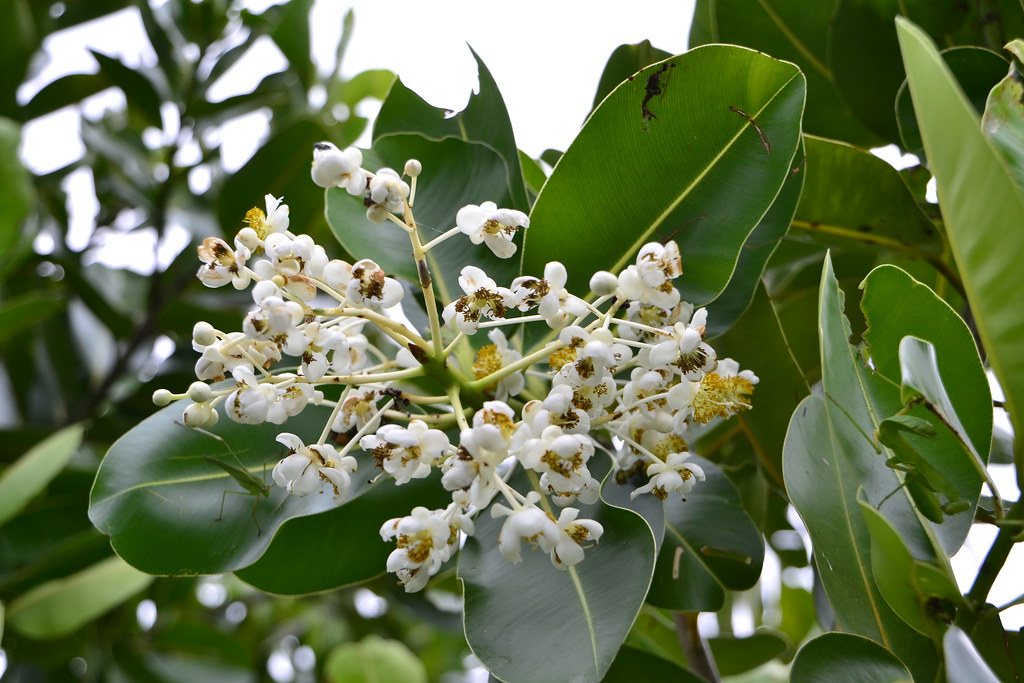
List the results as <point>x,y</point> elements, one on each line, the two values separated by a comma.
<point>19,315</point>
<point>978,198</point>
<point>27,477</point>
<point>630,661</point>
<point>533,174</point>
<point>1003,119</point>
<point>484,120</point>
<point>915,590</point>
<point>829,456</point>
<point>756,252</point>
<point>1003,650</point>
<point>797,32</point>
<point>735,656</point>
<point>847,658</point>
<point>864,56</point>
<point>625,61</point>
<point>16,190</point>
<point>963,663</point>
<point>374,659</point>
<point>577,618</point>
<point>281,168</point>
<point>373,83</point>
<point>699,561</point>
<point>317,538</point>
<point>852,197</point>
<point>782,382</point>
<point>60,607</point>
<point>672,154</point>
<point>896,305</point>
<point>975,68</point>
<point>159,499</point>
<point>456,173</point>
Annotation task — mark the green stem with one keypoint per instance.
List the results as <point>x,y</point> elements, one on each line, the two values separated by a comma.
<point>426,283</point>
<point>967,619</point>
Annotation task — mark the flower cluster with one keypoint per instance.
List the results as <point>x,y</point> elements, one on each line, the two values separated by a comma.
<point>623,373</point>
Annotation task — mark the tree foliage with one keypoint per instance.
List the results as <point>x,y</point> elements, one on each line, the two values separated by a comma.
<point>871,315</point>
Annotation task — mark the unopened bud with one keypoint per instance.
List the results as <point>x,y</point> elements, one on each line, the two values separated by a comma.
<point>162,397</point>
<point>203,333</point>
<point>603,283</point>
<point>200,392</point>
<point>413,168</point>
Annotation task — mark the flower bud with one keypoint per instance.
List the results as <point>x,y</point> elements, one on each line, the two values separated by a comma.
<point>203,333</point>
<point>603,283</point>
<point>196,415</point>
<point>413,168</point>
<point>162,397</point>
<point>200,392</point>
<point>376,214</point>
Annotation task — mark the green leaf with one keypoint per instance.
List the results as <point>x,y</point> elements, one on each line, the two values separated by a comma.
<point>975,68</point>
<point>533,174</point>
<point>137,88</point>
<point>895,306</point>
<point>829,456</point>
<point>738,655</point>
<point>847,658</point>
<point>484,120</point>
<point>866,71</point>
<point>60,607</point>
<point>782,383</point>
<point>17,193</point>
<point>853,195</point>
<point>756,252</point>
<point>20,314</point>
<point>919,592</point>
<point>159,499</point>
<point>630,661</point>
<point>698,561</point>
<point>963,663</point>
<point>1003,119</point>
<point>317,538</point>
<point>63,92</point>
<point>625,61</point>
<point>292,35</point>
<point>978,198</point>
<point>577,618</point>
<point>797,32</point>
<point>374,659</point>
<point>373,83</point>
<point>23,480</point>
<point>672,154</point>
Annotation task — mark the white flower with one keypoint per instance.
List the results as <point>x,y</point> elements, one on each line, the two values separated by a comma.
<point>357,410</point>
<point>422,546</point>
<point>387,189</point>
<point>222,264</point>
<point>406,453</point>
<point>493,357</point>
<point>482,297</point>
<point>557,306</point>
<point>493,226</point>
<point>685,352</point>
<point>562,458</point>
<point>672,474</point>
<point>306,469</point>
<point>649,281</point>
<point>312,344</point>
<point>573,533</point>
<point>528,523</point>
<point>260,225</point>
<point>335,168</point>
<point>368,286</point>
